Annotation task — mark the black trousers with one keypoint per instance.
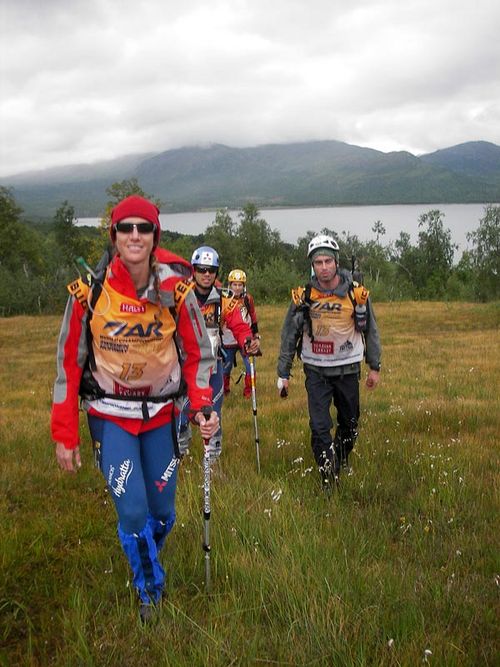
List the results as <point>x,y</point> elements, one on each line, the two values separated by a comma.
<point>343,391</point>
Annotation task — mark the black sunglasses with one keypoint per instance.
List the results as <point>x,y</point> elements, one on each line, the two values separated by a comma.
<point>128,227</point>
<point>205,269</point>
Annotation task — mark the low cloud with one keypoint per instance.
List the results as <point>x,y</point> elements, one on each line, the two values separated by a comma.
<point>83,81</point>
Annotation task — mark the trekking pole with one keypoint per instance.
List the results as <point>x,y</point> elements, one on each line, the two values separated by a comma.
<point>206,505</point>
<point>254,409</point>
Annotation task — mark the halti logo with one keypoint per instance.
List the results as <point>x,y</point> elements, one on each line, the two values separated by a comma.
<point>126,330</point>
<point>132,308</point>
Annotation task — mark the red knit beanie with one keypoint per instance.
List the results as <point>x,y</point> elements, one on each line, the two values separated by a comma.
<point>136,206</point>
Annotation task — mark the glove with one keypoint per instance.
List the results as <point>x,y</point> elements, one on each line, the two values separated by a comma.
<point>282,385</point>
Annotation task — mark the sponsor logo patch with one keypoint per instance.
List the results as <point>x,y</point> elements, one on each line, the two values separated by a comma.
<point>160,485</point>
<point>120,483</point>
<point>346,347</point>
<point>132,308</point>
<point>319,347</point>
<point>134,330</point>
<point>131,391</point>
<point>170,470</point>
<point>326,305</point>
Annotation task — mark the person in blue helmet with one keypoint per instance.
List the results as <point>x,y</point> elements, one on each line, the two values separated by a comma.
<point>220,309</point>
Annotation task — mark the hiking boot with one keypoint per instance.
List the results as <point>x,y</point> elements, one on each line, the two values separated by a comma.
<point>343,458</point>
<point>146,612</point>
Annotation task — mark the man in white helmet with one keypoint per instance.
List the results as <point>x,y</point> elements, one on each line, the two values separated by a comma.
<point>331,326</point>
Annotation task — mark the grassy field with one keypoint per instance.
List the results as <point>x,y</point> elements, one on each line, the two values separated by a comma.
<point>400,567</point>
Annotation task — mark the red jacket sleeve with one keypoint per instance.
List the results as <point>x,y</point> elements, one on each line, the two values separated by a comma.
<point>233,319</point>
<point>198,358</point>
<point>71,358</point>
<point>253,314</point>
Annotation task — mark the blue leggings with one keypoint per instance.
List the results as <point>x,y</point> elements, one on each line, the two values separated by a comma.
<point>141,473</point>
<point>231,356</point>
<point>185,435</point>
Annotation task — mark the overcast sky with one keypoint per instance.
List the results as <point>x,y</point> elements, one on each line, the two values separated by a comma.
<point>95,79</point>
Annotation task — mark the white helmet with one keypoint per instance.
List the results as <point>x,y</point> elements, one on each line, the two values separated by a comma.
<point>206,256</point>
<point>323,242</point>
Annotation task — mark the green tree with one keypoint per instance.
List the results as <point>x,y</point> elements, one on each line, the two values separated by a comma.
<point>20,247</point>
<point>258,243</point>
<point>66,233</point>
<point>406,258</point>
<point>23,260</point>
<point>378,229</point>
<point>221,235</point>
<point>274,281</point>
<point>485,254</point>
<point>129,186</point>
<point>436,251</point>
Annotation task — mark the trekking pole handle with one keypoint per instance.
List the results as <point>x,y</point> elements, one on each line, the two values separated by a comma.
<point>248,342</point>
<point>206,411</point>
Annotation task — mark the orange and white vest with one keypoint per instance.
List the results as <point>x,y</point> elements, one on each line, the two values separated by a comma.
<point>131,340</point>
<point>334,340</point>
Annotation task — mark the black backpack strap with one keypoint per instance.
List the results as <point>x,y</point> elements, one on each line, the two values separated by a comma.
<point>306,310</point>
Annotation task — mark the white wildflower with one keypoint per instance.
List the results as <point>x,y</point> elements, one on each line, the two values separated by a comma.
<point>276,495</point>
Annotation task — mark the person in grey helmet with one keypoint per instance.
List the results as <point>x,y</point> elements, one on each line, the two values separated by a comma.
<point>331,326</point>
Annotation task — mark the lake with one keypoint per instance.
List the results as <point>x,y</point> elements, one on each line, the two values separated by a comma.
<point>292,223</point>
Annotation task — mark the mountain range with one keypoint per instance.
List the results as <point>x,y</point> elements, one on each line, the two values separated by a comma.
<point>318,173</point>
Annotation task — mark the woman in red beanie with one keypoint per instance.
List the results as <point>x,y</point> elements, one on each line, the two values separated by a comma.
<point>118,349</point>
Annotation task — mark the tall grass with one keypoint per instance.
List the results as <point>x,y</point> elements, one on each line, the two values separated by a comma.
<point>400,567</point>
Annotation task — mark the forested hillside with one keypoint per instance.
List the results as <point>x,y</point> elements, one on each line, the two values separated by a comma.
<point>316,173</point>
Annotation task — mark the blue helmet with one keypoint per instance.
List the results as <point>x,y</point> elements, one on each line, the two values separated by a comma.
<point>206,256</point>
